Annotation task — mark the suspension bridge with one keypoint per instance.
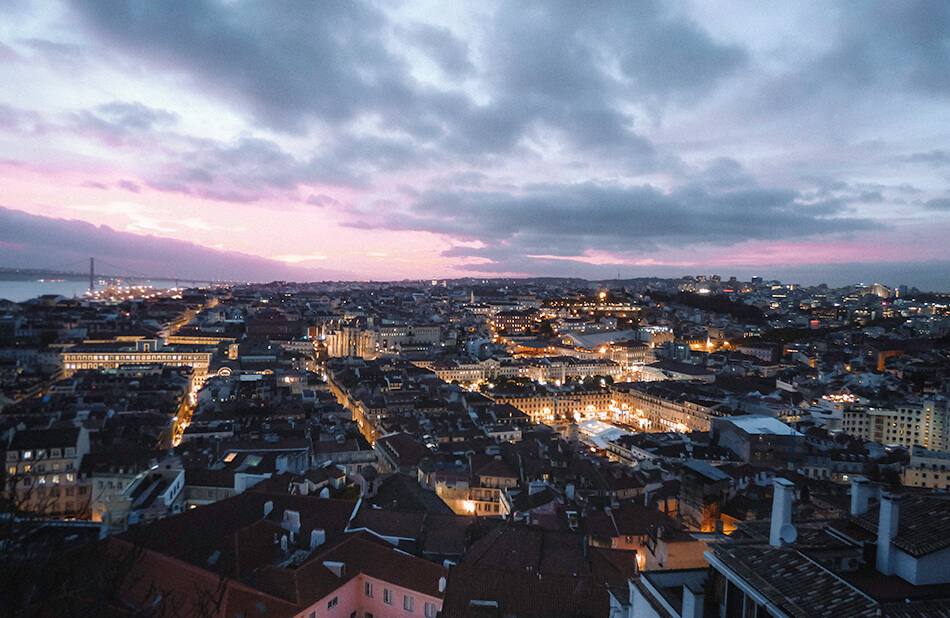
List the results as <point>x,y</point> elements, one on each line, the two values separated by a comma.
<point>117,274</point>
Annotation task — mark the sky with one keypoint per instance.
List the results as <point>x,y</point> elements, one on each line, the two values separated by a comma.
<point>432,139</point>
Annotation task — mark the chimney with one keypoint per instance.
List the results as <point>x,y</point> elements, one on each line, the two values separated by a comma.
<point>283,543</point>
<point>442,584</point>
<point>317,538</point>
<point>886,531</point>
<point>336,568</point>
<point>860,495</point>
<point>783,494</point>
<point>291,521</point>
<point>268,507</point>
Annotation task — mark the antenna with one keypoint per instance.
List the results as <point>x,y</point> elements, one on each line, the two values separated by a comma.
<point>788,533</point>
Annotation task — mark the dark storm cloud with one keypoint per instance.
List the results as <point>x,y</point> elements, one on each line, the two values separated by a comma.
<point>291,64</point>
<point>46,242</point>
<point>880,45</point>
<point>286,59</point>
<point>444,48</point>
<point>935,158</point>
<point>938,203</point>
<point>725,173</point>
<point>667,57</point>
<point>568,220</point>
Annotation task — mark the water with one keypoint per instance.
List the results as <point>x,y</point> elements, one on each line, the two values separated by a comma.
<point>19,291</point>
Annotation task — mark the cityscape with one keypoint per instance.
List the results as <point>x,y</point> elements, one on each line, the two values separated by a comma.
<point>423,309</point>
<point>699,446</point>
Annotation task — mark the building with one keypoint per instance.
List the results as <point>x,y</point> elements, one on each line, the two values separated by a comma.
<point>42,472</point>
<point>113,355</point>
<point>928,468</point>
<point>662,406</point>
<point>281,556</point>
<point>888,559</point>
<point>759,440</point>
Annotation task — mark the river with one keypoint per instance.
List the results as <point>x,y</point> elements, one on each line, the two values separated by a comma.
<point>19,291</point>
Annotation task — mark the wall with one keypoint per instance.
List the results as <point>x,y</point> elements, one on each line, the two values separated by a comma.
<point>351,598</point>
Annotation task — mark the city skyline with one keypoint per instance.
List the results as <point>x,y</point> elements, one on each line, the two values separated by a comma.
<point>359,141</point>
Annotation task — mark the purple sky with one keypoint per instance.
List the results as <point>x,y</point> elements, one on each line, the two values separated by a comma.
<point>407,139</point>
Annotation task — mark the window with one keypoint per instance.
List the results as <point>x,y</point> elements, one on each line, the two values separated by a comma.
<point>387,596</point>
<point>333,602</point>
<point>408,602</point>
<point>27,454</point>
<point>70,478</point>
<point>11,470</point>
<point>430,610</point>
<point>368,589</point>
<point>55,478</point>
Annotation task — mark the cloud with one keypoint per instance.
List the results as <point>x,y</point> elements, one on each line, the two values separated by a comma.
<point>20,121</point>
<point>245,171</point>
<point>938,203</point>
<point>322,200</point>
<point>668,57</point>
<point>935,158</point>
<point>883,46</point>
<point>449,52</point>
<point>46,242</point>
<point>328,61</point>
<point>119,122</point>
<point>537,133</point>
<point>544,66</point>
<point>570,220</point>
<point>128,185</point>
